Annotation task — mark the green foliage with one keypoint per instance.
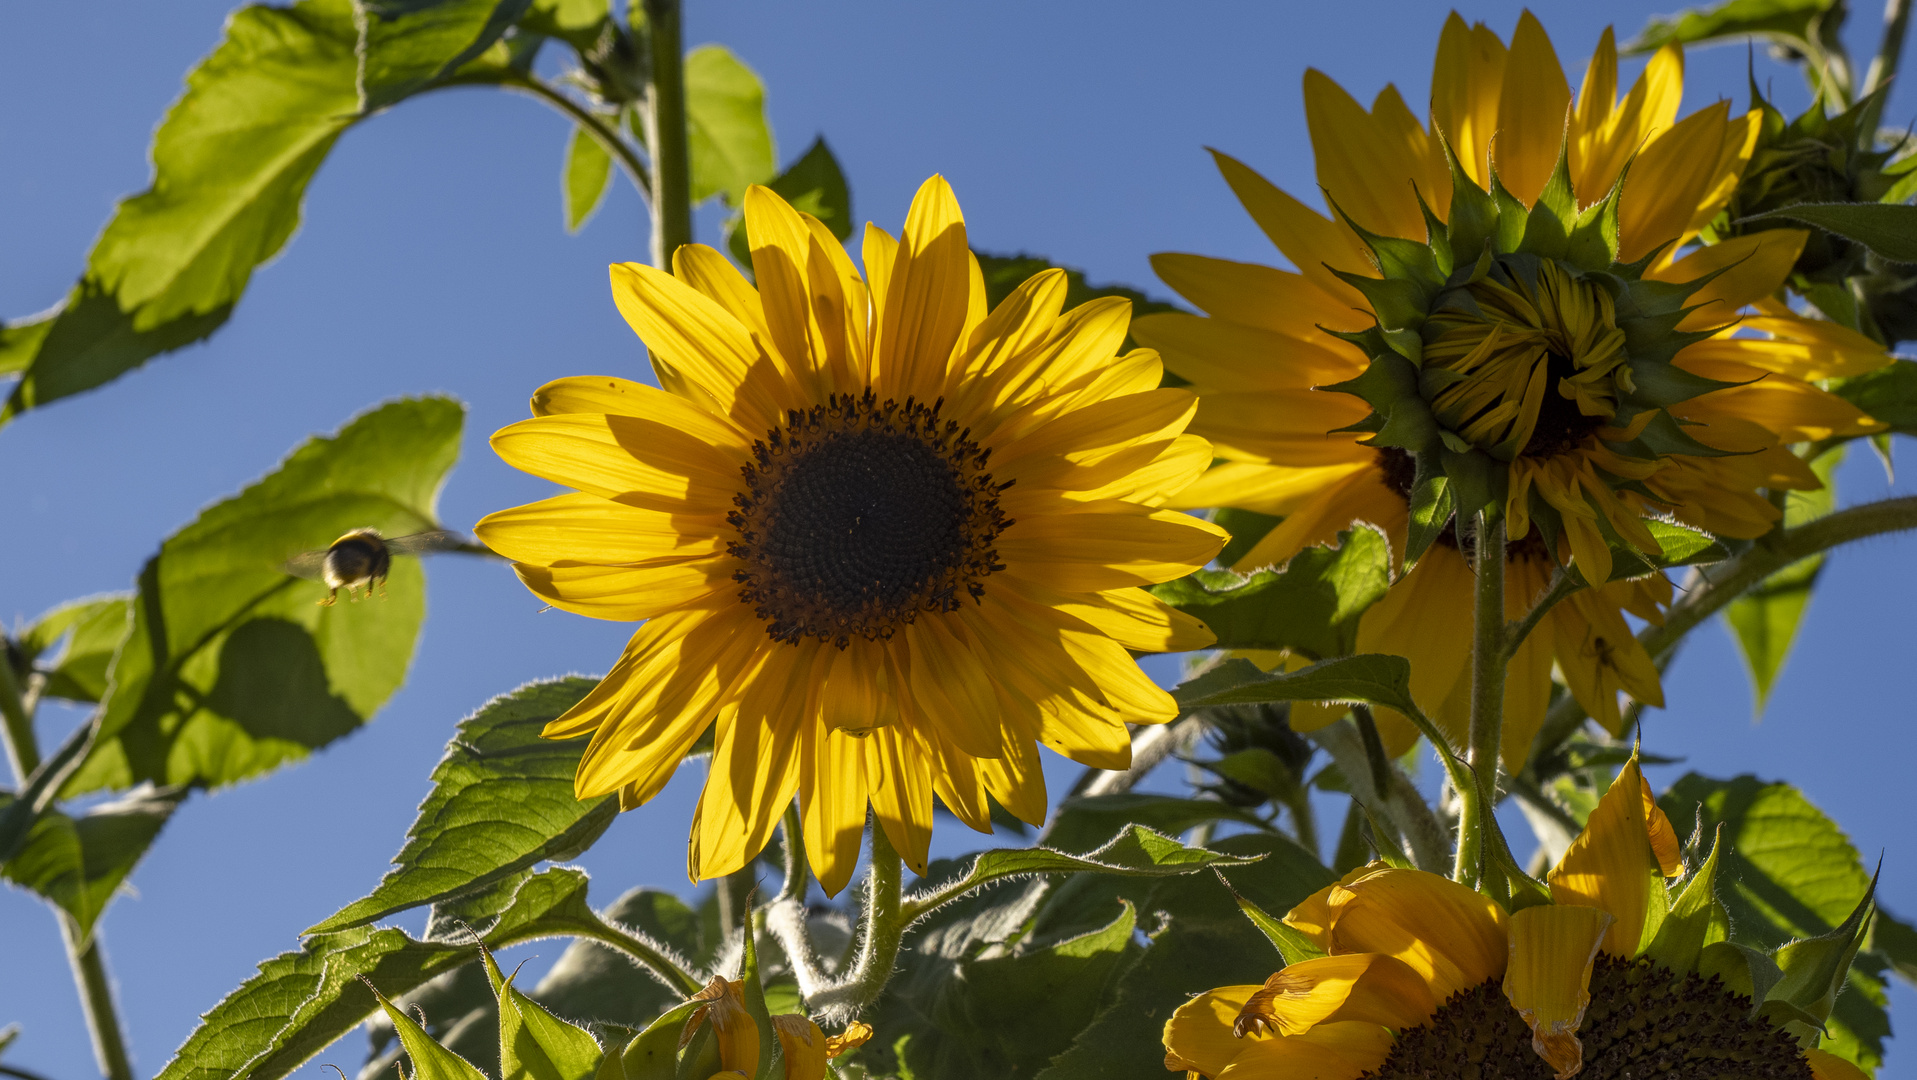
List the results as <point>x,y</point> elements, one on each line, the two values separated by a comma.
<point>93,630</point>
<point>232,668</point>
<point>1764,620</point>
<point>1371,678</point>
<point>1085,822</point>
<point>1787,872</point>
<point>1888,394</point>
<point>588,175</point>
<point>1796,24</point>
<point>1310,607</point>
<point>1135,852</point>
<point>303,1000</point>
<point>728,137</point>
<point>431,1061</point>
<point>77,862</point>
<point>1888,230</point>
<point>231,162</point>
<point>407,46</point>
<point>502,801</point>
<point>533,1043</point>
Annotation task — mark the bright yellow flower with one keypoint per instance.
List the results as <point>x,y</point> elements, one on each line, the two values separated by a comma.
<point>1528,366</point>
<point>1426,977</point>
<point>888,541</point>
<point>735,1037</point>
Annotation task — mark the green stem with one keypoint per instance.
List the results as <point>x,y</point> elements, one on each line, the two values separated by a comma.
<point>885,922</point>
<point>1883,67</point>
<point>23,750</point>
<point>96,997</point>
<point>665,115</point>
<point>643,951</point>
<point>785,916</point>
<point>1562,585</point>
<point>1488,654</point>
<point>795,872</point>
<point>608,137</point>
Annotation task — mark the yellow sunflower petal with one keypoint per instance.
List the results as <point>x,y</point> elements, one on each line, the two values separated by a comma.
<point>925,298</point>
<point>1664,842</point>
<point>713,275</point>
<point>1107,546</point>
<point>832,803</point>
<point>703,342</point>
<point>1313,243</point>
<point>781,247</point>
<point>1356,986</point>
<point>1267,489</point>
<point>754,769</point>
<point>1221,354</point>
<point>1450,935</point>
<point>856,1034</point>
<point>1532,109</point>
<point>1364,171</point>
<point>1262,297</point>
<point>629,593</point>
<point>1553,949</point>
<point>1611,865</point>
<point>1312,916</point>
<point>1198,1037</point>
<point>803,1044</point>
<point>1752,266</point>
<point>587,528</point>
<point>1135,619</point>
<point>640,461</point>
<point>1466,83</point>
<point>951,690</point>
<point>1828,1066</point>
<point>1360,496</point>
<point>1340,1051</point>
<point>1669,179</point>
<point>902,795</point>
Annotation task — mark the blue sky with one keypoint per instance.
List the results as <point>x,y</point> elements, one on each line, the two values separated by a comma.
<point>433,260</point>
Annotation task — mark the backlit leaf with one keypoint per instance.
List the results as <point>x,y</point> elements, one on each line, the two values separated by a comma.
<point>728,136</point>
<point>232,667</point>
<point>408,45</point>
<point>588,174</point>
<point>1310,607</point>
<point>78,862</point>
<point>502,800</point>
<point>1790,22</point>
<point>93,630</point>
<point>1764,620</point>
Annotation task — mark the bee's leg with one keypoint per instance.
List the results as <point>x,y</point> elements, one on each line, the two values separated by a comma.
<point>382,589</point>
<point>329,599</point>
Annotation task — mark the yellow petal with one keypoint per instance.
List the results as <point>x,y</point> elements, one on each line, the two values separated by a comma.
<point>900,774</point>
<point>1450,935</point>
<point>587,528</point>
<point>1312,916</point>
<point>1828,1066</point>
<point>803,1044</point>
<point>737,1033</point>
<point>1360,496</point>
<point>1611,865</point>
<point>781,247</point>
<point>1664,843</point>
<point>1532,109</point>
<point>950,690</point>
<point>1198,1037</point>
<point>703,342</point>
<point>1136,619</point>
<point>1356,986</point>
<point>856,1034</point>
<point>1107,546</point>
<point>754,770</point>
<point>1341,1051</point>
<point>1753,266</point>
<point>1466,82</point>
<point>1268,489</point>
<point>1669,179</point>
<point>926,297</point>
<point>1553,948</point>
<point>1220,354</point>
<point>633,592</point>
<point>1367,174</point>
<point>832,788</point>
<point>1264,297</point>
<point>640,461</point>
<point>1313,243</point>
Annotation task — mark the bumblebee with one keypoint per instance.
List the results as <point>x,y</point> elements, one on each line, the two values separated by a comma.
<point>362,559</point>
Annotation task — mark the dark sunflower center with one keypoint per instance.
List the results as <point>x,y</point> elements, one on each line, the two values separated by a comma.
<point>1561,425</point>
<point>858,515</point>
<point>1642,1024</point>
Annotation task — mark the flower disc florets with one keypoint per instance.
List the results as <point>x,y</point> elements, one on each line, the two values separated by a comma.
<point>858,515</point>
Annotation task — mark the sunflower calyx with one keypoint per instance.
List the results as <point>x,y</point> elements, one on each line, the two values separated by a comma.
<point>1511,338</point>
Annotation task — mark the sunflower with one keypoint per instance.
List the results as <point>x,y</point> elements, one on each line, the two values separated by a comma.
<point>1421,976</point>
<point>733,1046</point>
<point>886,540</point>
<point>1542,351</point>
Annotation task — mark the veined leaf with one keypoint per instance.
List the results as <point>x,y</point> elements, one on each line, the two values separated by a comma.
<point>727,134</point>
<point>1888,394</point>
<point>231,162</point>
<point>1888,229</point>
<point>301,1001</point>
<point>232,668</point>
<point>1135,852</point>
<point>1310,607</point>
<point>1085,822</point>
<point>78,863</point>
<point>1787,871</point>
<point>406,46</point>
<point>502,800</point>
<point>93,629</point>
<point>588,174</point>
<point>1764,620</point>
<point>533,1043</point>
<point>1373,678</point>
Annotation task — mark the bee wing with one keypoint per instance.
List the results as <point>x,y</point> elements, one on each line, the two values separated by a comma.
<point>306,564</point>
<point>436,540</point>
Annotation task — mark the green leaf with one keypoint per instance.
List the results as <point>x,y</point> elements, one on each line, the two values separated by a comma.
<point>1788,872</point>
<point>301,1001</point>
<point>407,46</point>
<point>232,669</point>
<point>1310,607</point>
<point>1679,545</point>
<point>771,1060</point>
<point>654,1053</point>
<point>459,1010</point>
<point>728,136</point>
<point>1292,945</point>
<point>431,1061</point>
<point>533,1043</point>
<point>814,185</point>
<point>1204,941</point>
<point>502,801</point>
<point>1896,941</point>
<point>78,863</point>
<point>1373,678</point>
<point>1696,918</point>
<point>588,174</point>
<point>1790,22</point>
<point>1815,969</point>
<point>1887,229</point>
<point>94,629</point>
<point>231,161</point>
<point>1888,394</point>
<point>1764,620</point>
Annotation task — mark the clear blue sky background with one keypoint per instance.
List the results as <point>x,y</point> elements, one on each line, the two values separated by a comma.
<point>433,260</point>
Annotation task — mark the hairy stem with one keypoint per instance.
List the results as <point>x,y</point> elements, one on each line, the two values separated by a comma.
<point>785,916</point>
<point>23,750</point>
<point>1562,585</point>
<point>1151,745</point>
<point>1488,655</point>
<point>96,998</point>
<point>884,927</point>
<point>1400,804</point>
<point>652,956</point>
<point>665,119</point>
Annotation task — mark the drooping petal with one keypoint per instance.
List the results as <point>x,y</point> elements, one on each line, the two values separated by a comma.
<point>1450,935</point>
<point>1198,1037</point>
<point>1370,987</point>
<point>1338,1051</point>
<point>1553,949</point>
<point>1611,865</point>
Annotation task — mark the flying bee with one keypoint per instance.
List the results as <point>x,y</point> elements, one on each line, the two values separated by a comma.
<point>363,558</point>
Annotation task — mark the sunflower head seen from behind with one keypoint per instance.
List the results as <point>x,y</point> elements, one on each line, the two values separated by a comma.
<point>886,540</point>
